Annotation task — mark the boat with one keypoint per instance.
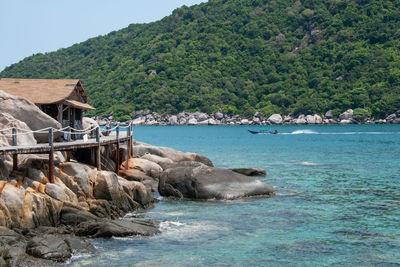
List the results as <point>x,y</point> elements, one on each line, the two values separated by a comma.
<point>263,132</point>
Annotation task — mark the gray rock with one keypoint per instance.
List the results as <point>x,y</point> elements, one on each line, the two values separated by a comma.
<point>118,228</point>
<point>173,120</point>
<point>396,121</point>
<point>192,121</point>
<point>250,171</point>
<point>347,115</point>
<point>27,112</point>
<point>329,114</point>
<point>244,122</point>
<point>219,115</point>
<point>391,117</point>
<point>345,122</point>
<point>275,119</point>
<point>300,120</point>
<point>50,247</point>
<point>78,245</point>
<point>72,216</point>
<point>205,182</point>
<point>310,119</point>
<point>202,117</point>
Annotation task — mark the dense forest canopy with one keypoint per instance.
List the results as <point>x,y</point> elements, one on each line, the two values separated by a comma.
<point>241,56</point>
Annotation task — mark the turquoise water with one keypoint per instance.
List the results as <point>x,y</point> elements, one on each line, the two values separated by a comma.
<point>337,203</point>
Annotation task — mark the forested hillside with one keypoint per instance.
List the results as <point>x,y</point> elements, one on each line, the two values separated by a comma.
<point>241,56</point>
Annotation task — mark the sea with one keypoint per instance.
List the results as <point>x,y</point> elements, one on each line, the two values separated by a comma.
<point>337,201</point>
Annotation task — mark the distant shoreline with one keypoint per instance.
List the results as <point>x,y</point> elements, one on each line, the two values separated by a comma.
<point>148,118</point>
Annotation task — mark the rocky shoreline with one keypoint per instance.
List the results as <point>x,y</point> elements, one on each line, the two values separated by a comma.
<point>42,223</point>
<point>219,118</point>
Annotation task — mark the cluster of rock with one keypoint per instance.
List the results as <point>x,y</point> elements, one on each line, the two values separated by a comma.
<point>42,222</point>
<point>220,118</point>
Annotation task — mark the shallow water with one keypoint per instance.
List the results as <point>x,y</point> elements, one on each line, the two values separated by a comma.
<point>337,203</point>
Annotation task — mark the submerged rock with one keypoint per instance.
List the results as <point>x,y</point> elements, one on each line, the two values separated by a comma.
<point>203,182</point>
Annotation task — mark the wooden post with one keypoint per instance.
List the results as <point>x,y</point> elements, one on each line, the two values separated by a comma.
<point>14,143</point>
<point>69,134</point>
<point>117,152</point>
<point>51,156</point>
<point>131,139</point>
<point>98,158</point>
<point>128,134</point>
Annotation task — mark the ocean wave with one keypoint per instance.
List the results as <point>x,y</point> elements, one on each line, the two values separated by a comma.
<point>286,192</point>
<point>307,163</point>
<point>179,230</point>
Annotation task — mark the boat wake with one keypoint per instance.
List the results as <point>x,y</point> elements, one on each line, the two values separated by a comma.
<point>308,131</point>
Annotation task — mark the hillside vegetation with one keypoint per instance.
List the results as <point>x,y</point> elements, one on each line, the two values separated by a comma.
<point>241,56</point>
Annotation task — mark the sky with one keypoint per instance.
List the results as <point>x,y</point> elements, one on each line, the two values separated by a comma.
<point>28,27</point>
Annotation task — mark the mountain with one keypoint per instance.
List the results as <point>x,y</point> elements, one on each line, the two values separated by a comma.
<point>241,56</point>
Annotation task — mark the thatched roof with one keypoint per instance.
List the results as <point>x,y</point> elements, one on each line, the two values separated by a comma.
<point>44,91</point>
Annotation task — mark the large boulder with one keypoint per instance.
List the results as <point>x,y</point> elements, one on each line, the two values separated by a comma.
<point>148,167</point>
<point>24,110</point>
<point>140,149</point>
<point>347,115</point>
<point>49,247</point>
<point>7,122</point>
<point>118,228</point>
<point>89,123</point>
<point>173,120</point>
<point>329,114</point>
<point>275,119</point>
<point>27,208</point>
<point>107,186</point>
<point>79,177</point>
<point>12,247</point>
<point>205,182</point>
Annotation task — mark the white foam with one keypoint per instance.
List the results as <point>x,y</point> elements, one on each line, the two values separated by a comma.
<point>306,131</point>
<point>179,230</point>
<point>306,163</point>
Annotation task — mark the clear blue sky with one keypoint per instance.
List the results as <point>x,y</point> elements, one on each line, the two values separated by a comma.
<point>37,26</point>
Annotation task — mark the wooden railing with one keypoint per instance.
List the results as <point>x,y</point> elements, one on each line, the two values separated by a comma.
<point>68,144</point>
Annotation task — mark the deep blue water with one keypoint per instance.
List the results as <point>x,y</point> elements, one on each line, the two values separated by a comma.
<point>337,203</point>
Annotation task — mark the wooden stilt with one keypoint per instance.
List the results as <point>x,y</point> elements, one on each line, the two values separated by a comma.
<point>131,139</point>
<point>14,143</point>
<point>51,156</point>
<point>117,153</point>
<point>98,157</point>
<point>128,134</point>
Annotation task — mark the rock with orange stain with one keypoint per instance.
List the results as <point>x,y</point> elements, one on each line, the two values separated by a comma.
<point>148,167</point>
<point>133,175</point>
<point>60,192</point>
<point>13,199</point>
<point>107,186</point>
<point>157,159</point>
<point>83,176</point>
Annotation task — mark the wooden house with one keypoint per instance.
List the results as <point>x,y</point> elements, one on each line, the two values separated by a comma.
<point>63,100</point>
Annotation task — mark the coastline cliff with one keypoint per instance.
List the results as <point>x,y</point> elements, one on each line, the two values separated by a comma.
<point>43,222</point>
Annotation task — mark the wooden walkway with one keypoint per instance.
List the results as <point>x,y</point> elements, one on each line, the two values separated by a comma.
<point>92,143</point>
<point>61,146</point>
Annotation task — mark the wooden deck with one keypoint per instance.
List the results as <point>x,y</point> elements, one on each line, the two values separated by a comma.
<point>62,146</point>
<point>93,144</point>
